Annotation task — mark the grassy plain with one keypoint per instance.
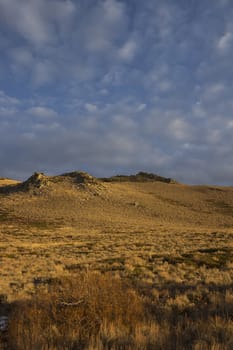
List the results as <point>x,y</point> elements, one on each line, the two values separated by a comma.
<point>167,249</point>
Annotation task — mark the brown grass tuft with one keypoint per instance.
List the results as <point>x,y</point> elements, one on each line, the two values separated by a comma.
<point>76,312</point>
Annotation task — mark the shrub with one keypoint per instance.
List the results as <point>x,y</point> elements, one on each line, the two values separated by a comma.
<point>74,312</point>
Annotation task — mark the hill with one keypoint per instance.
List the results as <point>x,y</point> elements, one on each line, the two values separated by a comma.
<point>172,243</point>
<point>80,220</point>
<point>6,182</point>
<point>41,184</point>
<point>133,201</point>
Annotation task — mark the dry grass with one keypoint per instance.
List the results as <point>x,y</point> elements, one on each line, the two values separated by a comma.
<point>72,313</point>
<point>168,245</point>
<point>97,311</point>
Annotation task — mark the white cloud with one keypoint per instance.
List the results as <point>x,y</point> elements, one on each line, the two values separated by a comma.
<point>180,129</point>
<point>225,41</point>
<point>104,23</point>
<point>213,136</point>
<point>141,107</point>
<point>113,77</point>
<point>65,40</point>
<point>36,20</point>
<point>28,136</point>
<point>213,91</point>
<point>198,110</point>
<point>6,100</point>
<point>91,107</point>
<point>42,112</point>
<point>9,106</point>
<point>21,56</point>
<point>29,22</point>
<point>113,9</point>
<point>165,85</point>
<point>165,18</point>
<point>128,50</point>
<point>156,76</point>
<point>124,124</point>
<point>44,127</point>
<point>61,10</point>
<point>230,124</point>
<point>216,88</point>
<point>104,92</point>
<point>43,72</point>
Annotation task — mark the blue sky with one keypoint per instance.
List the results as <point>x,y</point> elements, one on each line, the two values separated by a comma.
<point>117,86</point>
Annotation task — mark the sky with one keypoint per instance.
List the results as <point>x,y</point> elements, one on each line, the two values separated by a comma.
<point>116,87</point>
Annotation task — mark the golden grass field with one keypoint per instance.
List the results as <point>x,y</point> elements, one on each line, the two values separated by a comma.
<point>171,244</point>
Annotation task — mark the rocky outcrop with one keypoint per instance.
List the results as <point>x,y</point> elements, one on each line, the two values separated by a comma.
<point>139,177</point>
<point>81,177</point>
<point>39,183</point>
<point>34,184</point>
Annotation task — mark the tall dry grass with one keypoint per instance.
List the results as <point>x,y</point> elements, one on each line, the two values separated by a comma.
<point>73,314</point>
<point>102,312</point>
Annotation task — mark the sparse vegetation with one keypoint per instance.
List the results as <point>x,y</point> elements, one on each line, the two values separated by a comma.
<point>84,267</point>
<point>96,311</point>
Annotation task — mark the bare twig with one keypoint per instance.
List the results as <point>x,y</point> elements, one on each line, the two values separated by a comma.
<point>72,304</point>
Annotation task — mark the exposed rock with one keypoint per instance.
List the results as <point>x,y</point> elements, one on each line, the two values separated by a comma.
<point>39,183</point>
<point>81,177</point>
<point>33,184</point>
<point>37,180</point>
<point>139,177</point>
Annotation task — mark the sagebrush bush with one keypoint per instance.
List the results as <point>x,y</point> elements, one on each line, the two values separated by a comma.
<point>98,311</point>
<point>73,311</point>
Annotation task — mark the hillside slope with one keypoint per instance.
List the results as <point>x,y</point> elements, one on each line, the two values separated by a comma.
<point>53,226</point>
<point>79,199</point>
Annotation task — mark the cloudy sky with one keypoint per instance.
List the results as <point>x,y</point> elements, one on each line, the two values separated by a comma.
<point>117,86</point>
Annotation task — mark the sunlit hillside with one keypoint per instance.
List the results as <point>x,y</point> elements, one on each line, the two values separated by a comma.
<point>169,243</point>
